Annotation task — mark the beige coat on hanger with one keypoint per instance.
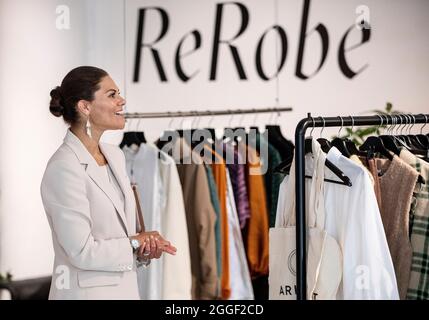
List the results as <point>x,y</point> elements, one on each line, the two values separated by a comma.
<point>90,225</point>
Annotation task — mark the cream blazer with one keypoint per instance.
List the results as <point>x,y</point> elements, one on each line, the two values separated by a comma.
<point>90,226</point>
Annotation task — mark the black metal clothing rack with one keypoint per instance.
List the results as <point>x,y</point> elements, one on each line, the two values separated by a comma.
<point>301,267</point>
<point>139,115</point>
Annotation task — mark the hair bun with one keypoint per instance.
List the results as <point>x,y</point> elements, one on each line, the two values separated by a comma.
<point>55,106</point>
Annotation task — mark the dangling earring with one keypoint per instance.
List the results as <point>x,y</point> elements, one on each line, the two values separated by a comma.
<point>88,128</point>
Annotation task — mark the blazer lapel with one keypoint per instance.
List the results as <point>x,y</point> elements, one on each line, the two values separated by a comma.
<point>125,186</point>
<point>109,191</point>
<point>91,168</point>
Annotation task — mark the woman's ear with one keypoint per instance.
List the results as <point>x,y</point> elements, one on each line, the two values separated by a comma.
<point>84,107</point>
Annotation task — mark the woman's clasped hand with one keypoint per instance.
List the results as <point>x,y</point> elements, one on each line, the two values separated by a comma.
<point>153,245</point>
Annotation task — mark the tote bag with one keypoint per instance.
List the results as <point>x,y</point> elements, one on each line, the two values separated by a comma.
<point>324,258</point>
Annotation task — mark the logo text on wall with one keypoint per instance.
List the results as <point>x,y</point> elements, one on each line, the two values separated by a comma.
<point>149,49</point>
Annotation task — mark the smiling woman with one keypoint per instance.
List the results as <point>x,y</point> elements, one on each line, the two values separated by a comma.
<point>88,95</point>
<point>88,198</point>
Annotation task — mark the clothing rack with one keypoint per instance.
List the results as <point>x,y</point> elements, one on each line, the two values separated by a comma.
<point>301,267</point>
<point>139,115</point>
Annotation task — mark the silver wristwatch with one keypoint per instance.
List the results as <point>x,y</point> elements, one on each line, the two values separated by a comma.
<point>135,244</point>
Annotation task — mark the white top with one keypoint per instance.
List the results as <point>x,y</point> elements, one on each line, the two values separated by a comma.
<point>114,182</point>
<point>109,177</point>
<point>352,217</point>
<point>163,208</point>
<point>142,168</point>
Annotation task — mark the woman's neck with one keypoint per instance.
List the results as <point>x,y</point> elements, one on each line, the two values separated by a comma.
<point>91,143</point>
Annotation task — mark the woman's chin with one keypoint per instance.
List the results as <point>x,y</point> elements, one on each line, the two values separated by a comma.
<point>119,124</point>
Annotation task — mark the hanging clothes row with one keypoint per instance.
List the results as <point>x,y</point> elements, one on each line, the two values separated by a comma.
<point>378,219</point>
<point>223,194</point>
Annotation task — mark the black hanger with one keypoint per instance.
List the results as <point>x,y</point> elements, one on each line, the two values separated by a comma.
<point>394,143</point>
<point>168,136</point>
<point>374,145</point>
<point>202,136</point>
<point>212,133</point>
<point>391,143</point>
<point>339,143</point>
<point>284,167</point>
<point>284,146</point>
<point>324,143</point>
<point>353,150</point>
<point>255,128</point>
<point>419,143</point>
<point>404,140</point>
<point>351,146</point>
<point>132,137</point>
<point>416,142</point>
<point>240,132</point>
<point>423,139</point>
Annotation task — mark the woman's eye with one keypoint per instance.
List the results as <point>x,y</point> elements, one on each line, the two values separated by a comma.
<point>112,95</point>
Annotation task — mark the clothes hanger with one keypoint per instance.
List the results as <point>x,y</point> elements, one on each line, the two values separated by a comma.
<point>168,136</point>
<point>399,135</point>
<point>423,139</point>
<point>133,137</point>
<point>389,141</point>
<point>420,178</point>
<point>405,141</point>
<point>415,142</point>
<point>374,144</point>
<point>228,132</point>
<point>410,137</point>
<point>324,143</point>
<point>201,136</point>
<point>351,146</point>
<point>212,131</point>
<point>339,143</point>
<point>240,134</point>
<point>275,137</point>
<point>284,167</point>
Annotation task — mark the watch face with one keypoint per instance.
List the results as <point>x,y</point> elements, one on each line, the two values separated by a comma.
<point>135,243</point>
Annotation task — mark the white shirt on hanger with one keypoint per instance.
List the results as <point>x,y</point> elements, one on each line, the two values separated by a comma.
<point>177,274</point>
<point>353,219</point>
<point>163,209</point>
<point>142,168</point>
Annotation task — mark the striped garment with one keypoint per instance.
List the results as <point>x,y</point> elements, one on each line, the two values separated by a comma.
<point>237,172</point>
<point>418,287</point>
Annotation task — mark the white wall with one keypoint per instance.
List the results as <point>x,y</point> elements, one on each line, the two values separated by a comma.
<point>35,56</point>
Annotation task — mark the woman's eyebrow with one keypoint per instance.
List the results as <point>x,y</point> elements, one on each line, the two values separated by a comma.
<point>112,90</point>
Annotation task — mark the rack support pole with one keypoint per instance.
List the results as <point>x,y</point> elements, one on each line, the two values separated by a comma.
<point>301,266</point>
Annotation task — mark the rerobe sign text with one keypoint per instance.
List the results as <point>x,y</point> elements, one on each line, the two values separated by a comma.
<point>149,50</point>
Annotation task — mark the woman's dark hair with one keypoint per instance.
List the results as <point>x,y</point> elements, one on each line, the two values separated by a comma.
<point>79,84</point>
